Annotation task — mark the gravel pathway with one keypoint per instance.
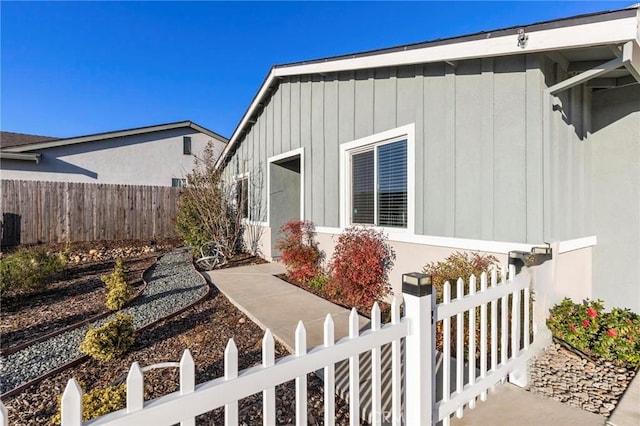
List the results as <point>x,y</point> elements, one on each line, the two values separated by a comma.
<point>172,284</point>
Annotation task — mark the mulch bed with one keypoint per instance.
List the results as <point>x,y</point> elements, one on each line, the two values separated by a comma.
<point>77,295</point>
<point>385,308</point>
<point>205,330</point>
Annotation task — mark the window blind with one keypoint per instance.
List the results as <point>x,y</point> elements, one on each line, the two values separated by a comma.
<point>363,185</point>
<point>392,184</point>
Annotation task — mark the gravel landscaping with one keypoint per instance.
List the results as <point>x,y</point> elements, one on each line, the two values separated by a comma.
<point>205,329</point>
<point>566,377</point>
<point>172,284</point>
<point>77,296</point>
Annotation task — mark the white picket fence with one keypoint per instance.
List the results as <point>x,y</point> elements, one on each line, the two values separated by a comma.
<point>417,327</point>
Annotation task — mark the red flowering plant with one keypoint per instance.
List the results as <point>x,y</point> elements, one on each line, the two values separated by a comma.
<point>576,324</point>
<point>360,267</point>
<point>613,336</point>
<point>299,250</point>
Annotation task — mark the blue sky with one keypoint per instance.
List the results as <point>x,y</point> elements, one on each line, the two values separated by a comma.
<point>69,69</point>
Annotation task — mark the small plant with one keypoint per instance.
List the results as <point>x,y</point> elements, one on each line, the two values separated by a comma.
<point>299,251</point>
<point>111,340</point>
<point>318,282</point>
<point>119,289</point>
<point>360,267</point>
<point>613,336</point>
<point>458,265</point>
<point>27,270</point>
<point>98,402</point>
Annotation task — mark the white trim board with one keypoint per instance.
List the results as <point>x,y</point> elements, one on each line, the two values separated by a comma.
<point>500,247</point>
<point>279,157</point>
<point>408,132</point>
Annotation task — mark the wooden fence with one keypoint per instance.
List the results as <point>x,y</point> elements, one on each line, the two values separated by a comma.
<point>41,212</point>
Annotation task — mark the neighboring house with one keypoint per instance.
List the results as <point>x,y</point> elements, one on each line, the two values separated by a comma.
<point>159,155</point>
<point>493,142</point>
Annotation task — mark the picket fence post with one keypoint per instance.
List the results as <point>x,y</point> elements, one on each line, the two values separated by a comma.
<point>420,393</point>
<point>4,416</point>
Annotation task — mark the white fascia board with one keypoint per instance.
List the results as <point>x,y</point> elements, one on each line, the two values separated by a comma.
<point>592,34</point>
<point>577,244</point>
<point>245,118</point>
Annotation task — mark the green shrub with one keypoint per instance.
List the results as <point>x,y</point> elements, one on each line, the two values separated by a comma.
<point>27,270</point>
<point>613,336</point>
<point>318,282</point>
<point>98,402</point>
<point>111,340</point>
<point>119,289</point>
<point>360,267</point>
<point>458,265</point>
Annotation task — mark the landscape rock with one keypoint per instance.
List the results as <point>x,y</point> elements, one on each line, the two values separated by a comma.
<point>563,376</point>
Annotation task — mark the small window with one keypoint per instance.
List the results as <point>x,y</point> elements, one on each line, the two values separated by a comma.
<point>178,183</point>
<point>242,196</point>
<point>186,145</point>
<point>379,185</point>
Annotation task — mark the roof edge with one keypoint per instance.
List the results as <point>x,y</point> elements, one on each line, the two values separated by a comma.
<point>600,28</point>
<point>116,134</point>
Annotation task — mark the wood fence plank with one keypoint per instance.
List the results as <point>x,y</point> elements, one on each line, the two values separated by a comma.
<point>39,211</point>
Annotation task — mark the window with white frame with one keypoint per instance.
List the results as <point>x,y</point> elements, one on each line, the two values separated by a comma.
<point>378,184</point>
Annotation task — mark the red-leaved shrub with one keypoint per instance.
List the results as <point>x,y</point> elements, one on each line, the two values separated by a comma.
<point>299,250</point>
<point>360,267</point>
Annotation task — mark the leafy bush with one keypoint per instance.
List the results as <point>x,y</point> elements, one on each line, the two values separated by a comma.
<point>111,340</point>
<point>27,270</point>
<point>360,267</point>
<point>299,250</point>
<point>98,402</point>
<point>458,265</point>
<point>119,289</point>
<point>207,209</point>
<point>613,336</point>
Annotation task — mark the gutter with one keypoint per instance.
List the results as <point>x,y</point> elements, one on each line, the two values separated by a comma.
<point>20,156</point>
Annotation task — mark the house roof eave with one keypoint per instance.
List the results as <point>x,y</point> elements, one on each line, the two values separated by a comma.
<point>116,134</point>
<point>605,28</point>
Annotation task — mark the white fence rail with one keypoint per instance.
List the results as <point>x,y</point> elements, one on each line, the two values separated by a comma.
<point>502,352</point>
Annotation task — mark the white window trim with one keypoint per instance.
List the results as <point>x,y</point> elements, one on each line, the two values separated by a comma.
<point>402,132</point>
<point>279,157</point>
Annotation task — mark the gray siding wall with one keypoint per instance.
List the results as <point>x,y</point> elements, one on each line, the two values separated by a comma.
<point>146,159</point>
<point>595,182</point>
<point>615,196</point>
<point>478,140</point>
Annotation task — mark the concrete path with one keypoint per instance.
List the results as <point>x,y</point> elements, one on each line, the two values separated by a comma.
<point>274,304</point>
<point>277,305</point>
<point>510,405</point>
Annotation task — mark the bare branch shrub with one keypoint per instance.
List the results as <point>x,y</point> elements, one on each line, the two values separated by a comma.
<point>207,209</point>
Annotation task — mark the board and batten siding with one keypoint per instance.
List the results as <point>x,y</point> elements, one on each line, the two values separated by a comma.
<point>478,140</point>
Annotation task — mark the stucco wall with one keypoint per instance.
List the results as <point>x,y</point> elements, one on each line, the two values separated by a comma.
<point>147,159</point>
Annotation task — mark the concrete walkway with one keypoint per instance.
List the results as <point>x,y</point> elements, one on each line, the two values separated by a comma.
<point>277,305</point>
